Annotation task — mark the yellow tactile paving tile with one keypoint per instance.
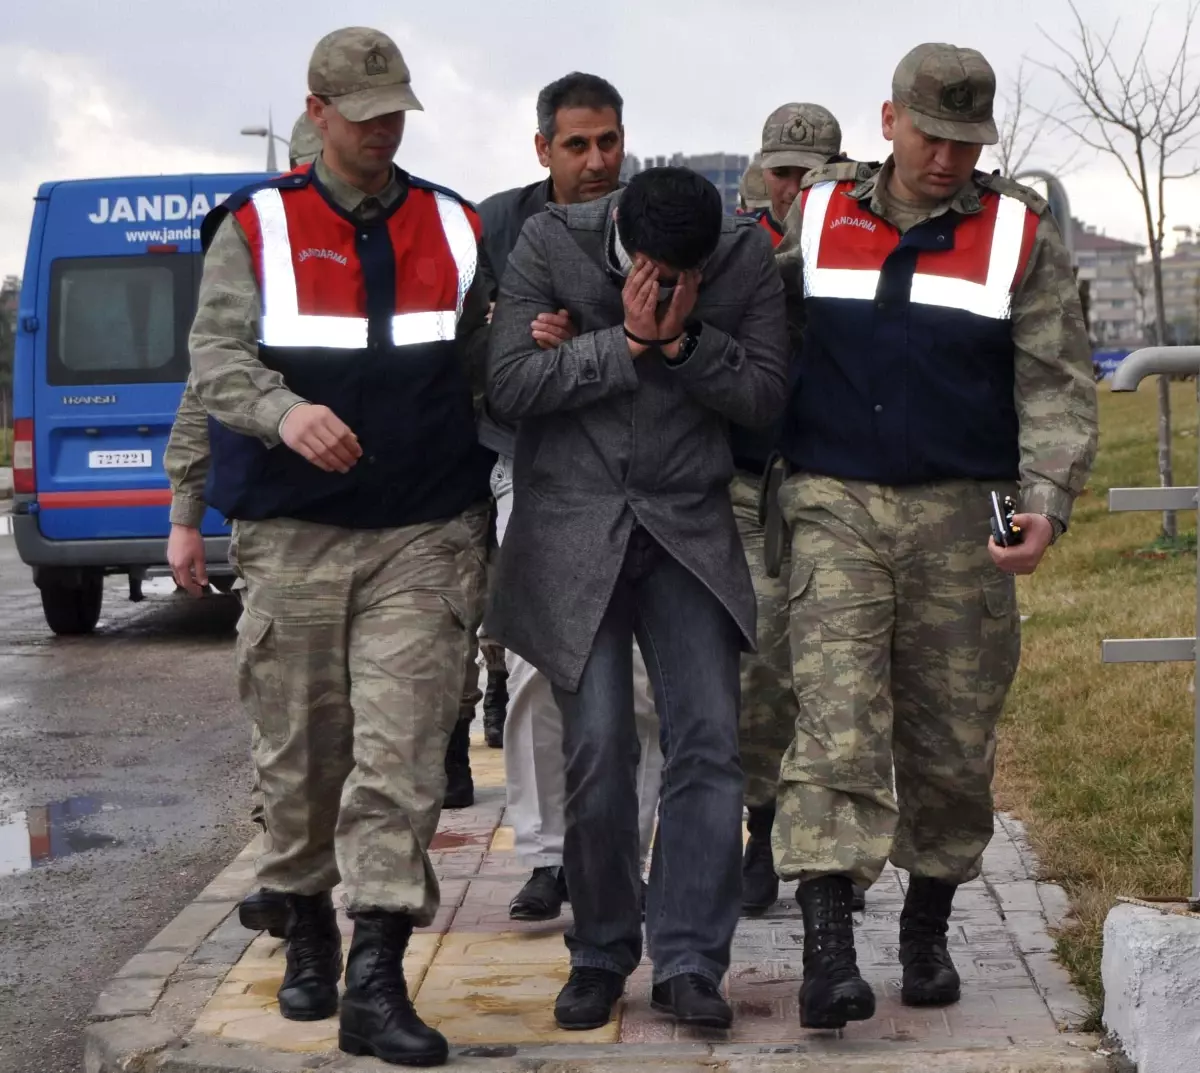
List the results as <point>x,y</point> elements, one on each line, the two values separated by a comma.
<point>506,948</point>
<point>487,767</point>
<point>501,1004</point>
<point>503,840</point>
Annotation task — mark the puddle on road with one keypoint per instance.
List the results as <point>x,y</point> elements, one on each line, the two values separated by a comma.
<point>45,833</point>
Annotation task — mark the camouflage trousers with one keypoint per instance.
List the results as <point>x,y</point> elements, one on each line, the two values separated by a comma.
<point>768,717</point>
<point>905,638</point>
<point>350,652</point>
<point>475,580</point>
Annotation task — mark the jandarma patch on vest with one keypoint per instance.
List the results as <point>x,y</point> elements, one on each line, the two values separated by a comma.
<point>853,221</point>
<point>325,255</point>
<point>376,63</point>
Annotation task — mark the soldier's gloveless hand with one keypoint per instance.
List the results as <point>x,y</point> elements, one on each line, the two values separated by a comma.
<point>185,556</point>
<point>317,434</point>
<point>1037,532</point>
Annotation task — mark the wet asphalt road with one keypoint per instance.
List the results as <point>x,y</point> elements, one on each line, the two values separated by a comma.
<point>124,784</point>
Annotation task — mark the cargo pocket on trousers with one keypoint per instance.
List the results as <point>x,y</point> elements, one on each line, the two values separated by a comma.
<point>259,675</point>
<point>999,642</point>
<point>804,630</point>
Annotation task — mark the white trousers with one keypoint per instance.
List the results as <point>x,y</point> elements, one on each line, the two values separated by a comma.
<point>533,757</point>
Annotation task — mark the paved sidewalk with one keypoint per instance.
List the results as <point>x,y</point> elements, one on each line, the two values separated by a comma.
<point>202,995</point>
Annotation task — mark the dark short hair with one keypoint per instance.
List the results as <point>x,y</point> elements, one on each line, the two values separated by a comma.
<point>672,215</point>
<point>576,90</point>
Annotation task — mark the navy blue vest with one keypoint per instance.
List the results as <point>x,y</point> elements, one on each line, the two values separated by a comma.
<point>409,405</point>
<point>895,391</point>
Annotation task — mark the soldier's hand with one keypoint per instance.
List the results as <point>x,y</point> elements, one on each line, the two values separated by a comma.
<point>553,329</point>
<point>319,435</point>
<point>185,556</point>
<point>1023,558</point>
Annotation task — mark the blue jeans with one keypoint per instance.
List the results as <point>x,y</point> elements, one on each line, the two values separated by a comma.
<point>691,646</point>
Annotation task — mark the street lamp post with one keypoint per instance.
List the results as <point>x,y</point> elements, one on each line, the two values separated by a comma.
<point>267,132</point>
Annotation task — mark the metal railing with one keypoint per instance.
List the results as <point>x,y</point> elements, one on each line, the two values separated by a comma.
<point>1153,361</point>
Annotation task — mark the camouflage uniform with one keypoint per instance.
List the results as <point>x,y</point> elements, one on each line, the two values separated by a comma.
<point>351,644</point>
<point>187,458</point>
<point>768,713</point>
<point>806,136</point>
<point>904,635</point>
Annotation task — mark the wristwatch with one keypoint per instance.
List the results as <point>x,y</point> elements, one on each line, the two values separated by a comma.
<point>691,340</point>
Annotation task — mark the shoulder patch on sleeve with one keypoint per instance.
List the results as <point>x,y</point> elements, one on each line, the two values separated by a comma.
<point>839,172</point>
<point>1002,184</point>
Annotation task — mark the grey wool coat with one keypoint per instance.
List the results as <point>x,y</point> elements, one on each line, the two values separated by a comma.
<point>606,440</point>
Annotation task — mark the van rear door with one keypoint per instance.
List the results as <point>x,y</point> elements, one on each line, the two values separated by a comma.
<point>121,269</point>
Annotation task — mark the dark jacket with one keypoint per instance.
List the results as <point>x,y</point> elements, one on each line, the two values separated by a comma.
<point>606,441</point>
<point>503,216</point>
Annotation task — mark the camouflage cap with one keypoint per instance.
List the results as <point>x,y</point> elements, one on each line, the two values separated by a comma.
<point>948,91</point>
<point>800,136</point>
<point>305,144</point>
<point>362,72</point>
<point>752,188</point>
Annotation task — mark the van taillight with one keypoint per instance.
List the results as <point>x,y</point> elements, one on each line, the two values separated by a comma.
<point>23,480</point>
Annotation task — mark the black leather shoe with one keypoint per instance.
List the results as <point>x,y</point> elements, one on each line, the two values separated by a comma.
<point>495,707</point>
<point>692,1000</point>
<point>833,991</point>
<point>265,910</point>
<point>378,1018</point>
<point>314,959</point>
<point>930,978</point>
<point>858,902</point>
<point>460,787</point>
<point>760,884</point>
<point>588,999</point>
<point>542,896</point>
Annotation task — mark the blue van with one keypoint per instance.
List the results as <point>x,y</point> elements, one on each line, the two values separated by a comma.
<point>107,300</point>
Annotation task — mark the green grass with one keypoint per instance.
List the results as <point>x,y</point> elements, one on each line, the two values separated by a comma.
<point>6,438</point>
<point>1098,759</point>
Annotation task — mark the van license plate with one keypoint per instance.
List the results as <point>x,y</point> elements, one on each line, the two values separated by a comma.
<point>120,459</point>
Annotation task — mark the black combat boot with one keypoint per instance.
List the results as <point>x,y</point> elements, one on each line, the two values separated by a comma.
<point>760,884</point>
<point>495,702</point>
<point>314,959</point>
<point>859,902</point>
<point>542,896</point>
<point>930,978</point>
<point>265,910</point>
<point>833,992</point>
<point>377,1015</point>
<point>460,787</point>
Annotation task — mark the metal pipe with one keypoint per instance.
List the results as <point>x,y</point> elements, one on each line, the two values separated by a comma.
<point>1195,903</point>
<point>1153,361</point>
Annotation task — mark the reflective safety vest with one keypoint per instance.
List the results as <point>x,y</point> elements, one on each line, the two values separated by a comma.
<point>360,317</point>
<point>767,222</point>
<point>906,371</point>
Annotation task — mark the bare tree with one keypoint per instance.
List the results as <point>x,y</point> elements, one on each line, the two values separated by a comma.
<point>1020,127</point>
<point>1146,120</point>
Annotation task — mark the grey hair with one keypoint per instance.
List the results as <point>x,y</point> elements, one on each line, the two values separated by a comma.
<point>576,90</point>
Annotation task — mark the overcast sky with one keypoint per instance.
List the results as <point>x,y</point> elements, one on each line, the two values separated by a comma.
<point>163,86</point>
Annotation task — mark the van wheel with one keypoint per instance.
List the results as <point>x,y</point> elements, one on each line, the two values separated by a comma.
<point>74,609</point>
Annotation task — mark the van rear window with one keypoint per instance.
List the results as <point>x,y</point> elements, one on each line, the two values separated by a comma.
<point>120,320</point>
